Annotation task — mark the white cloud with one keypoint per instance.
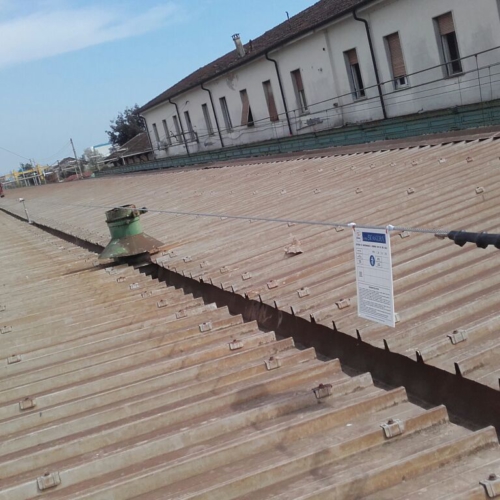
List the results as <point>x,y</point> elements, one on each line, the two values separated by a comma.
<point>55,28</point>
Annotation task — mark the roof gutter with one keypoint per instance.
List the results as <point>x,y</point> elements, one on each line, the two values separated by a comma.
<point>374,62</point>
<point>281,90</point>
<point>180,123</point>
<point>215,114</point>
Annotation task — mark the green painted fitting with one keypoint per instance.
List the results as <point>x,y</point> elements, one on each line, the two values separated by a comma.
<point>125,227</point>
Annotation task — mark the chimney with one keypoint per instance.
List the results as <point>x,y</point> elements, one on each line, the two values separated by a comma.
<point>239,46</point>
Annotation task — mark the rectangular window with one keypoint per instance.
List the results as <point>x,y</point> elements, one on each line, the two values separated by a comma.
<point>157,137</point>
<point>358,88</point>
<point>300,94</point>
<point>178,134</point>
<point>208,121</point>
<point>192,133</point>
<point>271,104</point>
<point>225,114</point>
<point>246,110</point>
<point>167,133</point>
<point>397,61</point>
<point>449,44</point>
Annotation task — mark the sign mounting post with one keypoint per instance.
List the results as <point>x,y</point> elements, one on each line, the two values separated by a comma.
<point>374,282</point>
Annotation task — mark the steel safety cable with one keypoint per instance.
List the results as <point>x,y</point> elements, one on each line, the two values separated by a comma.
<point>258,218</point>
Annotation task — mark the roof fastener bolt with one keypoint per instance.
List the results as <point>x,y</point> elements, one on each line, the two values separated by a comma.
<point>235,345</point>
<point>469,159</point>
<point>393,427</point>
<point>272,284</point>
<point>323,391</point>
<point>27,404</point>
<point>491,486</point>
<point>205,327</point>
<point>410,190</point>
<point>15,358</point>
<point>294,248</point>
<point>48,480</point>
<point>272,363</point>
<point>458,336</point>
<point>343,303</point>
<point>479,190</point>
<point>246,276</point>
<point>359,190</point>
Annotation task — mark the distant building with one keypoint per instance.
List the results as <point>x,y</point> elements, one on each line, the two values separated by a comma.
<point>336,63</point>
<point>137,150</point>
<point>103,149</point>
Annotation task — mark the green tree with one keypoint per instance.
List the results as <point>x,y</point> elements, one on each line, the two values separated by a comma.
<point>126,126</point>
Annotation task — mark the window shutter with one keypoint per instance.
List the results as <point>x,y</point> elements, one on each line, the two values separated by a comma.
<point>445,23</point>
<point>271,104</point>
<point>298,80</point>
<point>397,61</point>
<point>352,56</point>
<point>245,107</point>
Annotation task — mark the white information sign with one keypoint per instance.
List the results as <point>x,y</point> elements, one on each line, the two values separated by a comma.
<point>372,251</point>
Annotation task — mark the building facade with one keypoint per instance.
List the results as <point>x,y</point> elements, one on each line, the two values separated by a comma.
<point>337,63</point>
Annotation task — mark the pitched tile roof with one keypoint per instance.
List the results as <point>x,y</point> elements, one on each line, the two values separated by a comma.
<point>318,14</point>
<point>137,145</point>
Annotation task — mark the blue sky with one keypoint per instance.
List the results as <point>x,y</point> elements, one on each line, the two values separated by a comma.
<point>68,67</point>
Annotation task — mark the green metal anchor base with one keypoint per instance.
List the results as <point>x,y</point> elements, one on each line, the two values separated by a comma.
<point>127,237</point>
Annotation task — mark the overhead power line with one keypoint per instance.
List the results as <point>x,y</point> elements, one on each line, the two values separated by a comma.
<point>15,154</point>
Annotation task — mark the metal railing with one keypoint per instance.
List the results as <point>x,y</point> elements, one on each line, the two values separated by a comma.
<point>341,109</point>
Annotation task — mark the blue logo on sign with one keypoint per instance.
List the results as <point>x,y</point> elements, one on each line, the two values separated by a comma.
<point>372,260</point>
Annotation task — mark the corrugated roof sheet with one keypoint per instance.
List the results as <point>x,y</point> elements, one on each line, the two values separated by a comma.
<point>318,14</point>
<point>104,394</point>
<point>439,287</point>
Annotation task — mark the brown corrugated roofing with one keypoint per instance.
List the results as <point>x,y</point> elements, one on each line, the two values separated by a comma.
<point>439,287</point>
<point>113,385</point>
<point>318,14</point>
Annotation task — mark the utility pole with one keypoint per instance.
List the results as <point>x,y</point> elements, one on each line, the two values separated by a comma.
<point>76,158</point>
